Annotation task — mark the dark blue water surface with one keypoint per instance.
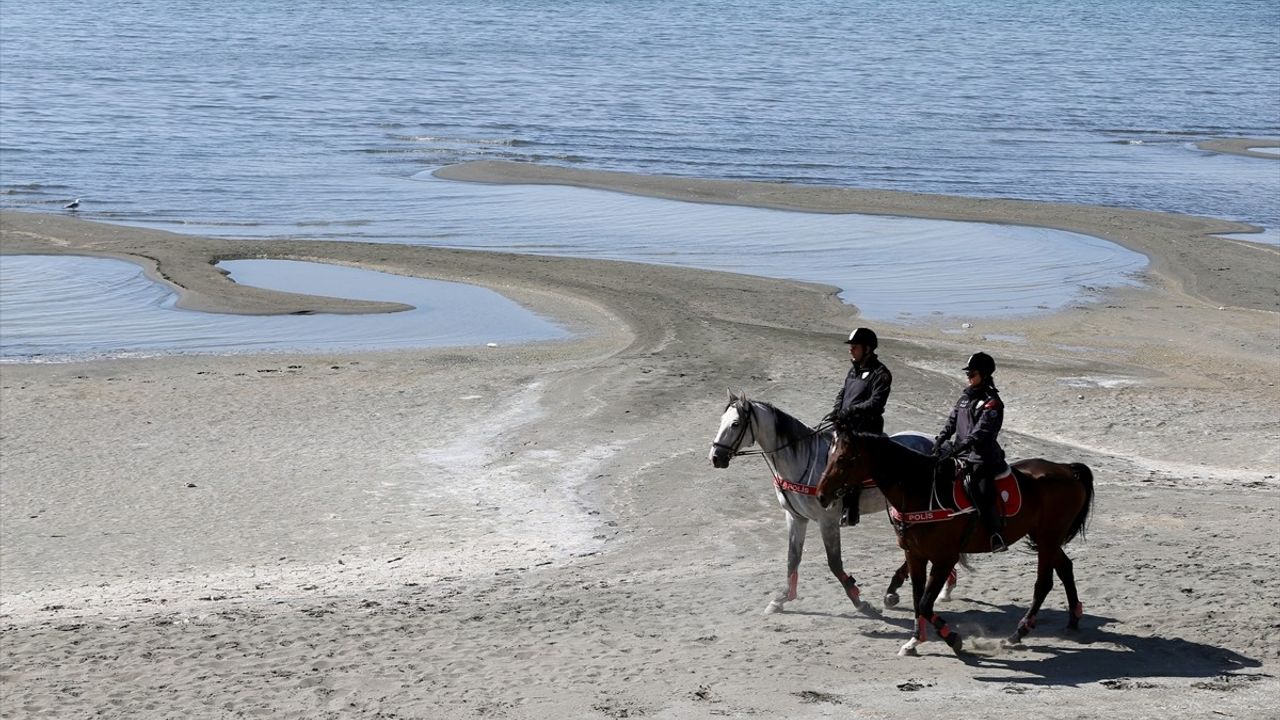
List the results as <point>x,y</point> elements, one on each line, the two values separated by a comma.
<point>313,118</point>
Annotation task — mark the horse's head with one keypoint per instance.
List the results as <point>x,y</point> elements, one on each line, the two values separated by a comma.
<point>848,465</point>
<point>735,430</point>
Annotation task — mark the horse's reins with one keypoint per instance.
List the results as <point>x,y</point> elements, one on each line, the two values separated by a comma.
<point>733,450</point>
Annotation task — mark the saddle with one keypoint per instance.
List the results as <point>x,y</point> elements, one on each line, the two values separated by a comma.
<point>1008,502</point>
<point>1008,491</point>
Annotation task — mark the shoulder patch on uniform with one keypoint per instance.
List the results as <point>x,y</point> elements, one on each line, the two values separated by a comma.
<point>992,404</point>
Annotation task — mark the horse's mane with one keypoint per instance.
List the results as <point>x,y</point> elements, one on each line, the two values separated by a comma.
<point>898,454</point>
<point>788,429</point>
<point>885,442</point>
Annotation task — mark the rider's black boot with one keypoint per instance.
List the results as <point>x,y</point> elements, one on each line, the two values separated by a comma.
<point>990,514</point>
<point>991,519</point>
<point>850,516</point>
<point>851,500</point>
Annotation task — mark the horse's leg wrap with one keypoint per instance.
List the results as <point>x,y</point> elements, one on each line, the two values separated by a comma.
<point>945,594</point>
<point>940,625</point>
<point>1025,626</point>
<point>851,588</point>
<point>793,581</point>
<point>922,629</point>
<point>944,631</point>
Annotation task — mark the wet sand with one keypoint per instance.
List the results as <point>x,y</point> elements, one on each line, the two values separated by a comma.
<point>536,531</point>
<point>1241,146</point>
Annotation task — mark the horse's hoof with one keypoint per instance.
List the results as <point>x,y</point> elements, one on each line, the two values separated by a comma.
<point>956,643</point>
<point>1013,641</point>
<point>891,599</point>
<point>774,607</point>
<point>908,651</point>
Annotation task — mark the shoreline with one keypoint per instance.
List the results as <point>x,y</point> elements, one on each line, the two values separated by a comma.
<point>1240,146</point>
<point>479,532</point>
<point>188,268</point>
<point>1171,242</point>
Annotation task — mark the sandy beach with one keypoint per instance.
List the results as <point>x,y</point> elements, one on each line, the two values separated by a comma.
<point>535,531</point>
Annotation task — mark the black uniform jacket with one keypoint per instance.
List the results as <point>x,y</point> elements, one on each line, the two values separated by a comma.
<point>976,420</point>
<point>861,399</point>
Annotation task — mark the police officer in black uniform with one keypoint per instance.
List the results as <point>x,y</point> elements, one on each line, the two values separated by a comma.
<point>975,420</point>
<point>859,405</point>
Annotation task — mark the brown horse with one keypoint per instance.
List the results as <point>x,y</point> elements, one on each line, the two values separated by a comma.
<point>1055,500</point>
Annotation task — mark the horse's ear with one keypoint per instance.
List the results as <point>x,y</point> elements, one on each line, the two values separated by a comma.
<point>732,398</point>
<point>742,395</point>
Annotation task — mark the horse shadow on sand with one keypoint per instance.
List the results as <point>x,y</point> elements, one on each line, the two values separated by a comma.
<point>1097,653</point>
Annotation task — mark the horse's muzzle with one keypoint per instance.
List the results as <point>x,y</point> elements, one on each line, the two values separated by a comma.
<point>719,458</point>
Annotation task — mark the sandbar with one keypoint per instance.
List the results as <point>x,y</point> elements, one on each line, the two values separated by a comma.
<point>535,531</point>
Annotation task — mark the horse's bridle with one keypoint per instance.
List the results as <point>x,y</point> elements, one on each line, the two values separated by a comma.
<point>737,442</point>
<point>751,414</point>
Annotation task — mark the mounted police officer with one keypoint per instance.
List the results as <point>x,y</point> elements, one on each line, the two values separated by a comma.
<point>859,405</point>
<point>975,420</point>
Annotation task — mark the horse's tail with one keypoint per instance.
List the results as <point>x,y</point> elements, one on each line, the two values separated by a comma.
<point>1085,477</point>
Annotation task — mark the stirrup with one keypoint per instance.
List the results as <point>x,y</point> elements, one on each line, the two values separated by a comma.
<point>997,543</point>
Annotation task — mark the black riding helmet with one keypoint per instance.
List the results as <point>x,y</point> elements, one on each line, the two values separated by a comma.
<point>981,362</point>
<point>863,336</point>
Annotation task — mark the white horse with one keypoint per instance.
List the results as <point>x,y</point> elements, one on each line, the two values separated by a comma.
<point>796,455</point>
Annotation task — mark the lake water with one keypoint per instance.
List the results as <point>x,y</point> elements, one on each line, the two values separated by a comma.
<point>324,120</point>
<point>890,267</point>
<point>106,307</point>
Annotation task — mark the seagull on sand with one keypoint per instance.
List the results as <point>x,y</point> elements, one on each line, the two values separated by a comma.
<point>72,205</point>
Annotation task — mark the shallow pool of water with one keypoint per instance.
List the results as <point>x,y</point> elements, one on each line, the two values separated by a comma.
<point>891,268</point>
<point>62,307</point>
